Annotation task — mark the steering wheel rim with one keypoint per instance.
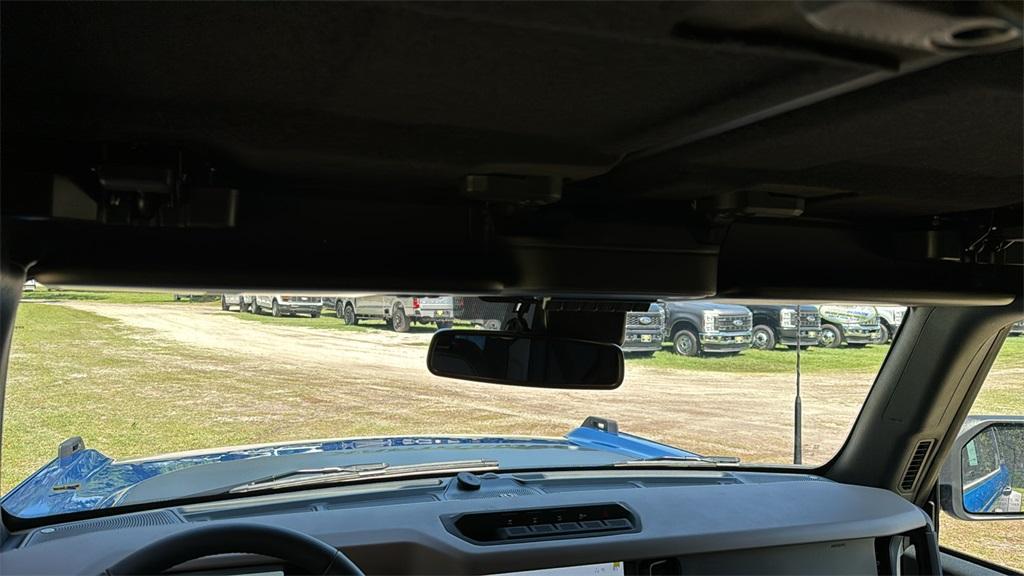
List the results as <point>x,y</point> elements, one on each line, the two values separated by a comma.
<point>307,553</point>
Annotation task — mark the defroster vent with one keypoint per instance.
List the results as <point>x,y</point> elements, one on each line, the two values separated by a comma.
<point>157,518</point>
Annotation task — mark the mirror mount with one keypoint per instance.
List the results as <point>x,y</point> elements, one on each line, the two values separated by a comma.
<point>525,359</point>
<point>989,480</point>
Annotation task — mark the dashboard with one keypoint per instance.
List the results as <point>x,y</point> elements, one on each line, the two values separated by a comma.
<point>607,523</point>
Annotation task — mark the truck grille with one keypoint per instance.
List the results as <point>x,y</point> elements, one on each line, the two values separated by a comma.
<point>810,320</point>
<point>733,323</point>
<point>637,320</point>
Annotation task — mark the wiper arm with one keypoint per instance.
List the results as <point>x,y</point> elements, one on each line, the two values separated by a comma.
<point>679,461</point>
<point>342,474</point>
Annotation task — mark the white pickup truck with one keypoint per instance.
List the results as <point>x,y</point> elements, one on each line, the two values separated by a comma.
<point>277,304</point>
<point>398,311</point>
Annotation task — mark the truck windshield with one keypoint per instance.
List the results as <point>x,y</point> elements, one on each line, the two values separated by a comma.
<point>142,377</point>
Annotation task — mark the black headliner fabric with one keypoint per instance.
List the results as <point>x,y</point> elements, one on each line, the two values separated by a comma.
<point>414,96</point>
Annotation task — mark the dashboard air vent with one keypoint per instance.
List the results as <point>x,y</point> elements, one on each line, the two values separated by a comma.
<point>157,518</point>
<point>917,461</point>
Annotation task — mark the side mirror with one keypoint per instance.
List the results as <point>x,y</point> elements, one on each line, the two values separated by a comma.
<point>983,477</point>
<point>525,359</point>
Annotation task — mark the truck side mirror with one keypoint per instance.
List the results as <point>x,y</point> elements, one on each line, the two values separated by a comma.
<point>983,477</point>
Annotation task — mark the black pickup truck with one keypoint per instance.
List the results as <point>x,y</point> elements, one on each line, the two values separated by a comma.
<point>777,324</point>
<point>645,331</point>
<point>700,327</point>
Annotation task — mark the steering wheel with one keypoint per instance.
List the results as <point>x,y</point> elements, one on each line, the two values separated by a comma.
<point>308,554</point>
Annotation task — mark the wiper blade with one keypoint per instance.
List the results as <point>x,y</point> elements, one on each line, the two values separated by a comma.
<point>679,461</point>
<point>356,472</point>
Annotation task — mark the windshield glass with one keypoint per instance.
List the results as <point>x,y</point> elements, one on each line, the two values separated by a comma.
<point>106,390</point>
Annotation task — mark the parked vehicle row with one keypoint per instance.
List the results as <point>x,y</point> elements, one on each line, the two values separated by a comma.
<point>399,312</point>
<point>692,327</point>
<point>276,304</point>
<point>696,328</point>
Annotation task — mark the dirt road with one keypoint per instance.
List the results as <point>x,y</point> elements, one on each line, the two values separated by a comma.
<point>381,376</point>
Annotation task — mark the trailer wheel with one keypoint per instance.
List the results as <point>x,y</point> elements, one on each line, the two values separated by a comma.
<point>241,304</point>
<point>314,314</point>
<point>224,303</point>
<point>255,306</point>
<point>399,321</point>
<point>831,336</point>
<point>444,325</point>
<point>762,338</point>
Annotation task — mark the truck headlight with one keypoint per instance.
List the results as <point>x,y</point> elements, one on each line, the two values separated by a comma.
<point>787,318</point>
<point>709,320</point>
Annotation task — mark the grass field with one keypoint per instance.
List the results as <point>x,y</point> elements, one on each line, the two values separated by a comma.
<point>128,394</point>
<point>100,296</point>
<point>328,321</point>
<point>780,360</point>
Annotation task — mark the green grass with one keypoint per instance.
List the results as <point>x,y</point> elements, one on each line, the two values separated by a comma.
<point>97,296</point>
<point>819,360</point>
<point>329,321</point>
<point>73,373</point>
<point>812,360</point>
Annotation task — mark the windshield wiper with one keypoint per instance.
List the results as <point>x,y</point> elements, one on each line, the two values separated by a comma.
<point>342,474</point>
<point>679,461</point>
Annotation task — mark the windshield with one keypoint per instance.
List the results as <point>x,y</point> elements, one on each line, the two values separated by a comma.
<point>107,390</point>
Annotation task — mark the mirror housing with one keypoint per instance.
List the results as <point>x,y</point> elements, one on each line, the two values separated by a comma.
<point>983,476</point>
<point>525,359</point>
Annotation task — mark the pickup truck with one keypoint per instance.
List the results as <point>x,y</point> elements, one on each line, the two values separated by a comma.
<point>282,304</point>
<point>1017,328</point>
<point>645,331</point>
<point>234,299</point>
<point>889,320</point>
<point>479,312</point>
<point>856,325</point>
<point>777,324</point>
<point>400,312</point>
<point>700,327</point>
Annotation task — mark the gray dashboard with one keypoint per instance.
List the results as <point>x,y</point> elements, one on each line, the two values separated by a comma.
<point>723,522</point>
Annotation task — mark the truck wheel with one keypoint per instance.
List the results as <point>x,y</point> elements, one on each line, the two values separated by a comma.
<point>883,334</point>
<point>224,303</point>
<point>685,343</point>
<point>314,314</point>
<point>350,316</point>
<point>831,336</point>
<point>762,338</point>
<point>241,304</point>
<point>492,325</point>
<point>399,321</point>
<point>275,309</point>
<point>255,306</point>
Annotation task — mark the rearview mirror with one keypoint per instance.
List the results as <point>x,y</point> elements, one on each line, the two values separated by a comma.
<point>525,359</point>
<point>983,477</point>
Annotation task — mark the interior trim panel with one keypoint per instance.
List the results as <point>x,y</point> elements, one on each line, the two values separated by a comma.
<point>692,516</point>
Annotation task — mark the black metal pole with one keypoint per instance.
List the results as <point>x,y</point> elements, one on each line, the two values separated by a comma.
<point>797,432</point>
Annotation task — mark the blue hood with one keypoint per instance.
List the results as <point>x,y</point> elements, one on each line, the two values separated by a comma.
<point>88,480</point>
